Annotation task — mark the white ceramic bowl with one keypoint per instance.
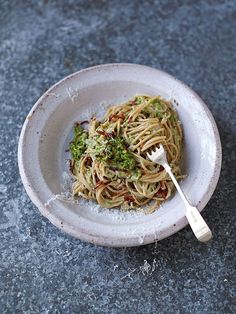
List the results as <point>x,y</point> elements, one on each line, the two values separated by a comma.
<point>47,131</point>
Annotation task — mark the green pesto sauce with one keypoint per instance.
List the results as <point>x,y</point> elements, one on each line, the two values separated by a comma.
<point>111,151</point>
<point>157,106</point>
<point>136,175</point>
<point>78,145</point>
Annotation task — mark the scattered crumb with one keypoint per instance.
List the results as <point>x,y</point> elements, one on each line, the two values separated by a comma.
<point>115,267</point>
<point>145,269</point>
<point>131,271</point>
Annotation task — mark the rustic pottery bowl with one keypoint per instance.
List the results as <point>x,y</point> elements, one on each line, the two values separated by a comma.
<point>47,131</point>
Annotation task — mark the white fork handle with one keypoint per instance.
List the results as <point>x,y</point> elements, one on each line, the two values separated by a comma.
<point>197,223</point>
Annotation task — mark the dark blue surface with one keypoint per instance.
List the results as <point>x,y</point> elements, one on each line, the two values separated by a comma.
<point>42,269</point>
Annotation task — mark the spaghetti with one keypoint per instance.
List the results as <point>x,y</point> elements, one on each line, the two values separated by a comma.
<point>109,163</point>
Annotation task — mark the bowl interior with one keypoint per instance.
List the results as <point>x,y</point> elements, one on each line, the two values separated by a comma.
<point>48,131</point>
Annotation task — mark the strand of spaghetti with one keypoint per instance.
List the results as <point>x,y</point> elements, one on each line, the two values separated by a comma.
<point>142,123</point>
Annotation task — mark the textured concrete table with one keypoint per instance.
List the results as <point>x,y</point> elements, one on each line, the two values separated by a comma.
<point>46,271</point>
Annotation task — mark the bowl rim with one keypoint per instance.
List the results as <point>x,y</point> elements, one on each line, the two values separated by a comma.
<point>67,227</point>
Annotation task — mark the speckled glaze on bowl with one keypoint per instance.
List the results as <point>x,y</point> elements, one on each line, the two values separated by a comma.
<point>47,130</point>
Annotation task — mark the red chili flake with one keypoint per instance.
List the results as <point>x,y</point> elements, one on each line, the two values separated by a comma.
<point>88,161</point>
<point>128,198</point>
<point>162,193</point>
<point>101,132</point>
<point>100,183</point>
<point>112,117</point>
<point>111,134</point>
<point>96,178</point>
<point>115,117</point>
<point>106,134</point>
<point>161,169</point>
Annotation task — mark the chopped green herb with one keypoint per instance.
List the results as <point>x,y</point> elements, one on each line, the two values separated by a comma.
<point>176,135</point>
<point>173,118</point>
<point>159,107</point>
<point>78,145</point>
<point>111,151</point>
<point>140,100</point>
<point>135,175</point>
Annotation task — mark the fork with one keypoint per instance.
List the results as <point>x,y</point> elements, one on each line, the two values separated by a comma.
<point>197,223</point>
